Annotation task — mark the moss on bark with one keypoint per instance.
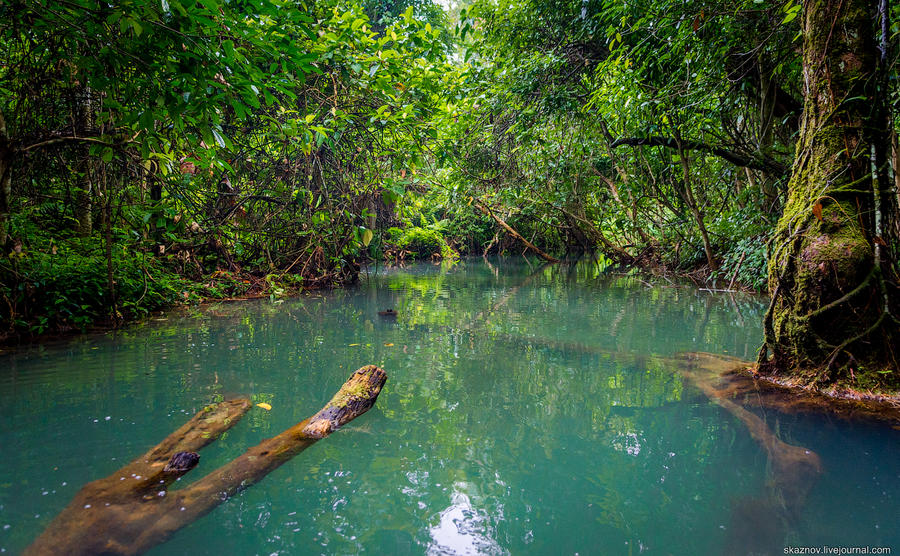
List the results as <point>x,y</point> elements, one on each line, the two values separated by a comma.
<point>833,286</point>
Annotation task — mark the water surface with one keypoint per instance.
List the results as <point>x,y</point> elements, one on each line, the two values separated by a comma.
<point>528,410</point>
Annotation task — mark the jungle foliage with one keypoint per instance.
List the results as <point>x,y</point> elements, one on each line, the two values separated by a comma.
<point>143,143</point>
<point>163,150</point>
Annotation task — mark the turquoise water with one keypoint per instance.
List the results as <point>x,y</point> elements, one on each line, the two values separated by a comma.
<point>528,410</point>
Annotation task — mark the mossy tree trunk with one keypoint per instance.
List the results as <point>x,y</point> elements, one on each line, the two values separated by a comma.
<point>832,271</point>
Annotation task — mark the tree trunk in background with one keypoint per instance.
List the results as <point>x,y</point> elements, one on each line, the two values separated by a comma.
<point>84,194</point>
<point>691,200</point>
<point>769,195</point>
<point>5,182</point>
<point>832,272</point>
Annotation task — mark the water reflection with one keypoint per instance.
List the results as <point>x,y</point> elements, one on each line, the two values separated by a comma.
<point>528,410</point>
<point>464,529</point>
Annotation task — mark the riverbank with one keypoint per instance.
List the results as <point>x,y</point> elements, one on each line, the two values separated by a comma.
<point>69,315</point>
<point>741,382</point>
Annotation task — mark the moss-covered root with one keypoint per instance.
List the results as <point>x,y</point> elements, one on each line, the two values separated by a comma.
<point>120,516</point>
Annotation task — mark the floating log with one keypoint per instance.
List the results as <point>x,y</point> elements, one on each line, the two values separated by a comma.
<point>134,509</point>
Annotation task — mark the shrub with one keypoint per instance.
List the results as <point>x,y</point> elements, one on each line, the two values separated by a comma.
<point>66,287</point>
<point>422,241</point>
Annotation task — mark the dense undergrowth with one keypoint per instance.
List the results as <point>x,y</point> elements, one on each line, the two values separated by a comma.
<point>54,285</point>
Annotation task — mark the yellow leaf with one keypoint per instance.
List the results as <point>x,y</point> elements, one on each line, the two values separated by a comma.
<point>389,345</point>
<point>817,211</point>
<point>351,345</point>
<point>264,405</point>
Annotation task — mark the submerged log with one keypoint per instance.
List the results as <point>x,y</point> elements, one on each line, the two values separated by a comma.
<point>792,469</point>
<point>133,509</point>
<point>759,524</point>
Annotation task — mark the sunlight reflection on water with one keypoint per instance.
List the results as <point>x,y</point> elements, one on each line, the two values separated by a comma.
<point>464,529</point>
<point>528,410</point>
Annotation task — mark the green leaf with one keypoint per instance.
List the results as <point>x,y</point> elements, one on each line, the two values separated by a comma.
<point>220,139</point>
<point>228,47</point>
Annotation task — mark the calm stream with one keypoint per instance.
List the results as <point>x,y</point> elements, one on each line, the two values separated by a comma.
<point>551,424</point>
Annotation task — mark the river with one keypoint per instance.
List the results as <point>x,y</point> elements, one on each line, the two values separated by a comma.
<point>529,409</point>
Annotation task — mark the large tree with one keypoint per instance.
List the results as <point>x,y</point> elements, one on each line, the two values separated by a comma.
<point>833,268</point>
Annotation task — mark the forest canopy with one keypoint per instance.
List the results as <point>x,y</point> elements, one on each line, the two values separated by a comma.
<point>159,151</point>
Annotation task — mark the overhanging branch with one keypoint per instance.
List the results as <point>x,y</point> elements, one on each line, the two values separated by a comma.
<point>734,157</point>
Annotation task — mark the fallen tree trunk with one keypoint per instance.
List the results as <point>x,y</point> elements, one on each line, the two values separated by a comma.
<point>488,212</point>
<point>133,509</point>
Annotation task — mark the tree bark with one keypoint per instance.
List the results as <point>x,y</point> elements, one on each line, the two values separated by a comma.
<point>85,192</point>
<point>133,509</point>
<point>832,272</point>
